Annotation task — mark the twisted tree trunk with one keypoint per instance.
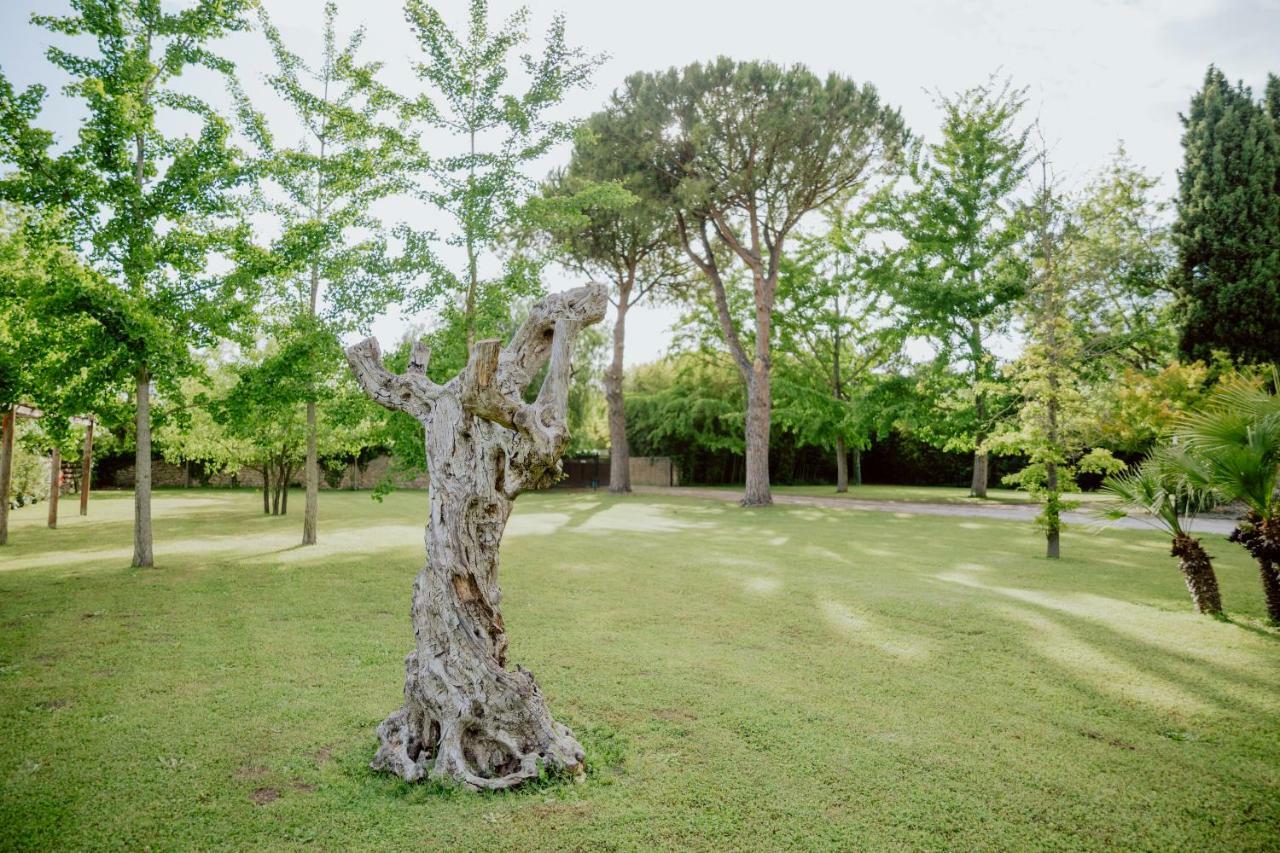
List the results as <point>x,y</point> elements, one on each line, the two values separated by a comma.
<point>1198,573</point>
<point>466,717</point>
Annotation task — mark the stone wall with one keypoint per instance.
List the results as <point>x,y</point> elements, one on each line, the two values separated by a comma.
<point>654,471</point>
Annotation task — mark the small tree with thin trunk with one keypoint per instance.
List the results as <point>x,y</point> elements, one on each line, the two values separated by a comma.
<point>834,334</point>
<point>957,276</point>
<point>604,222</point>
<point>1052,419</point>
<point>1157,491</point>
<point>743,151</point>
<point>466,717</point>
<point>331,258</point>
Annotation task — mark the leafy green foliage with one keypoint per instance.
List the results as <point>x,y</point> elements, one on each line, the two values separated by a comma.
<point>836,341</point>
<point>470,97</point>
<point>1228,227</point>
<point>148,207</point>
<point>958,274</point>
<point>1234,442</point>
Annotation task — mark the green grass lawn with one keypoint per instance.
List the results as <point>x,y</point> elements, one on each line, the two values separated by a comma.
<point>764,679</point>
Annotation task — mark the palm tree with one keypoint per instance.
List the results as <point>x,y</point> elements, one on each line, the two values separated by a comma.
<point>1234,443</point>
<point>1155,489</point>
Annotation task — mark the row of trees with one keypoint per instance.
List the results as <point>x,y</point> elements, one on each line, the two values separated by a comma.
<point>810,236</point>
<point>963,243</point>
<point>160,244</point>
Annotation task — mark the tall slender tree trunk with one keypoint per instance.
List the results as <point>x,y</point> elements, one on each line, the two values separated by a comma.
<point>86,469</point>
<point>842,466</point>
<point>1197,573</point>
<point>619,450</point>
<point>760,404</point>
<point>837,387</point>
<point>978,486</point>
<point>6,472</point>
<point>857,467</point>
<point>312,478</point>
<point>143,554</point>
<point>275,489</point>
<point>266,489</point>
<point>55,486</point>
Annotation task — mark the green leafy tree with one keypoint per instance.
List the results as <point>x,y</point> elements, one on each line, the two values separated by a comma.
<point>332,259</point>
<point>605,222</point>
<point>958,275</point>
<point>835,340</point>
<point>147,205</point>
<point>743,151</point>
<point>498,130</point>
<point>1121,257</point>
<point>1228,227</point>
<point>1051,423</point>
<point>46,344</point>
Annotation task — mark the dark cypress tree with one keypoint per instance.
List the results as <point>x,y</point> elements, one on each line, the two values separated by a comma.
<point>1228,228</point>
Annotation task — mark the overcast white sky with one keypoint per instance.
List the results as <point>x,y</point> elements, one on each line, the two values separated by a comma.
<point>1099,71</point>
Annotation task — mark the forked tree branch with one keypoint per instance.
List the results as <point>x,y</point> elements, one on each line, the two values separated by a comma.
<point>410,392</point>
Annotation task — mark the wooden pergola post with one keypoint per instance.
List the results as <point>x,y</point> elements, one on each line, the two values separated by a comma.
<point>86,469</point>
<point>6,473</point>
<point>55,486</point>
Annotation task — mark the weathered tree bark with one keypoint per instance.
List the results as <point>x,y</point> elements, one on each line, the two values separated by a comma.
<point>466,717</point>
<point>760,406</point>
<point>842,466</point>
<point>55,487</point>
<point>1261,538</point>
<point>6,472</point>
<point>978,486</point>
<point>142,548</point>
<point>266,489</point>
<point>619,450</point>
<point>1197,572</point>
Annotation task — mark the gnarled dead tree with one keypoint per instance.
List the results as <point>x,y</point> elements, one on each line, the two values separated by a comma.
<point>465,716</point>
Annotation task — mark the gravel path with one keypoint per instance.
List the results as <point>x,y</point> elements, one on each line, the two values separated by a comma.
<point>1002,512</point>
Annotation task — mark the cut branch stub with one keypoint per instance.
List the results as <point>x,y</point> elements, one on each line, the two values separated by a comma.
<point>480,394</point>
<point>465,716</point>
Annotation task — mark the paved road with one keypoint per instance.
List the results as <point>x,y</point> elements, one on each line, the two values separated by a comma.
<point>1003,512</point>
